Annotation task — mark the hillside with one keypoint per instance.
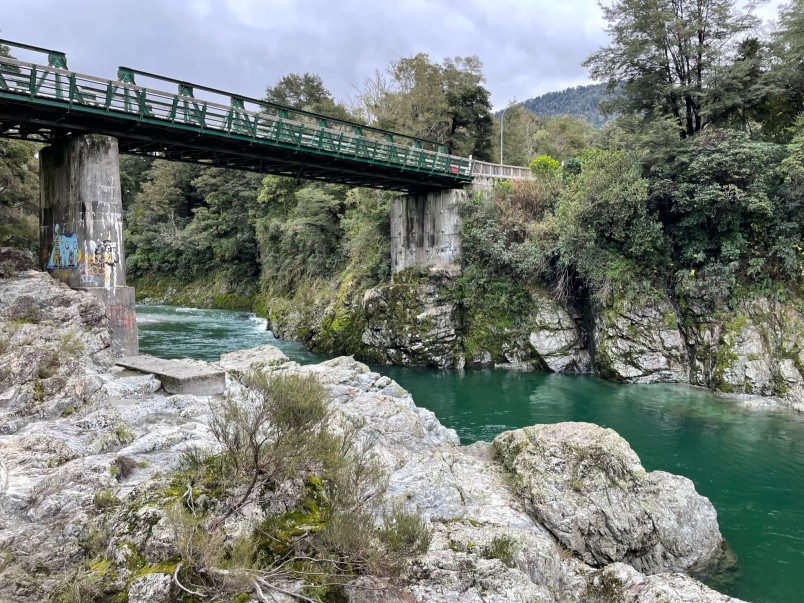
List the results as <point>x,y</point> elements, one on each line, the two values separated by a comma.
<point>579,101</point>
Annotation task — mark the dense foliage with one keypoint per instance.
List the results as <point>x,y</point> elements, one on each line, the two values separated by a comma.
<point>19,192</point>
<point>186,222</point>
<point>696,186</point>
<point>19,195</point>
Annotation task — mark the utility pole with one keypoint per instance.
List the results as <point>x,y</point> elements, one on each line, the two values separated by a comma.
<point>502,123</point>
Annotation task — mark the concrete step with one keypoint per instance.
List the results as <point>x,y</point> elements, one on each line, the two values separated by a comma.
<point>179,376</point>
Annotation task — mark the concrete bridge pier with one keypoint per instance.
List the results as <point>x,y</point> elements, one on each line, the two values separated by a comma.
<point>426,229</point>
<point>81,227</point>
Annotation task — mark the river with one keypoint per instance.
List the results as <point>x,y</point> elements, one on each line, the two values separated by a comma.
<point>749,464</point>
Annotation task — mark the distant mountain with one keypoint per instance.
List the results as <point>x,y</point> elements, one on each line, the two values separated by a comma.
<point>579,101</point>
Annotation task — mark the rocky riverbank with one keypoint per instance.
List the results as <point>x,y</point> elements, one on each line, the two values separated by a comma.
<point>752,352</point>
<point>89,486</point>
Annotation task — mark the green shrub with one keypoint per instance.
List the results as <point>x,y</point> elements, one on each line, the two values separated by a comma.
<point>72,344</point>
<point>545,166</point>
<point>504,548</point>
<point>405,533</point>
<point>105,499</point>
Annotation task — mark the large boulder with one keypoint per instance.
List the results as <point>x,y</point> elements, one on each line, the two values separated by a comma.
<point>54,344</point>
<point>588,488</point>
<point>641,343</point>
<point>13,261</point>
<point>622,583</point>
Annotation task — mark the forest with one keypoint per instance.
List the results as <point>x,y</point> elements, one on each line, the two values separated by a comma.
<point>577,101</point>
<point>694,183</point>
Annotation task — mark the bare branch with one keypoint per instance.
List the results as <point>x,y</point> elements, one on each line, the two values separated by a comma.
<point>185,589</point>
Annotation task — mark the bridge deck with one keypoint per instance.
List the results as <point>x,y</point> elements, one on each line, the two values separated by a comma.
<point>38,102</point>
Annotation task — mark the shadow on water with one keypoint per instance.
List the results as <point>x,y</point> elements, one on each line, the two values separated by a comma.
<point>749,464</point>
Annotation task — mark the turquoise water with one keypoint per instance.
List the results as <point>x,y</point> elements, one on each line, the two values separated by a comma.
<point>750,465</point>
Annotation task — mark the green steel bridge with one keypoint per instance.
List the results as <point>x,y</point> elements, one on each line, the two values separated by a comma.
<point>212,127</point>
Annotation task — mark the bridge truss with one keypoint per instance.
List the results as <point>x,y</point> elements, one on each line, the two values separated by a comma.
<point>43,102</point>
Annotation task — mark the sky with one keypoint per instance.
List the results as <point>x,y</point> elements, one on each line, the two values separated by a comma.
<point>528,47</point>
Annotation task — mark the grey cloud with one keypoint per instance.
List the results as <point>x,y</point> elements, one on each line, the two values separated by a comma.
<point>527,47</point>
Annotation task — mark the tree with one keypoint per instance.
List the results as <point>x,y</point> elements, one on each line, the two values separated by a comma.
<point>222,233</point>
<point>786,77</point>
<point>301,234</point>
<point>728,215</point>
<point>306,92</point>
<point>518,128</point>
<point>738,92</point>
<point>663,53</point>
<point>446,103</point>
<point>413,102</point>
<point>133,169</point>
<point>19,188</point>
<point>604,228</point>
<point>19,194</point>
<point>562,137</point>
<point>160,211</point>
<point>469,108</point>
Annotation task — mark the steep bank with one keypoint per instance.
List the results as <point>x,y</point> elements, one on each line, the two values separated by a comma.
<point>215,291</point>
<point>65,518</point>
<point>437,317</point>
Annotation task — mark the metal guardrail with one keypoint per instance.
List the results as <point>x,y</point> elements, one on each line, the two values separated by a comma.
<point>484,169</point>
<point>252,120</point>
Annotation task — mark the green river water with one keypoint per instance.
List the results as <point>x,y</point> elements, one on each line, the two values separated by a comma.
<point>749,464</point>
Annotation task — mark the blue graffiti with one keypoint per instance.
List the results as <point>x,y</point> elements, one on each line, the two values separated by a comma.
<point>65,250</point>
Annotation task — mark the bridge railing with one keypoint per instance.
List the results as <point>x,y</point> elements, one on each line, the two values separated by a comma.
<point>266,123</point>
<point>484,169</point>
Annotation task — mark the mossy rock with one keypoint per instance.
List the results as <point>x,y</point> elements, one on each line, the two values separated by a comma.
<point>276,535</point>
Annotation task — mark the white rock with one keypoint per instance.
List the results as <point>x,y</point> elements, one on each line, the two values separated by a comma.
<point>151,588</point>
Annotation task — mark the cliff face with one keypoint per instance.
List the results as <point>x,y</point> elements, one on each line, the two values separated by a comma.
<point>89,490</point>
<point>753,351</point>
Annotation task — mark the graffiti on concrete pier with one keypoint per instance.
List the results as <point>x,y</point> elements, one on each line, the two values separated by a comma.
<point>64,253</point>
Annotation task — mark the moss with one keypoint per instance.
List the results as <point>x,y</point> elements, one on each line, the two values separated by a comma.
<point>214,290</point>
<point>100,566</point>
<point>342,325</point>
<point>738,322</point>
<point>603,365</point>
<point>603,587</point>
<point>205,478</point>
<point>105,499</point>
<point>38,391</point>
<point>779,387</point>
<point>233,301</point>
<point>726,357</point>
<point>415,275</point>
<point>276,536</point>
<point>134,559</point>
<point>669,319</point>
<point>163,567</point>
<point>496,310</point>
<point>260,306</point>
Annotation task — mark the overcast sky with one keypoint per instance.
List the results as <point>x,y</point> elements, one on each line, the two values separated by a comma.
<point>528,47</point>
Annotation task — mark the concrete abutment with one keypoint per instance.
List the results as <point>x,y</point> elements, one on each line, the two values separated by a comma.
<point>426,229</point>
<point>81,227</point>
